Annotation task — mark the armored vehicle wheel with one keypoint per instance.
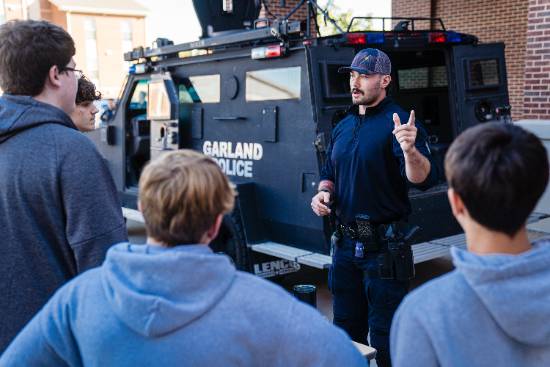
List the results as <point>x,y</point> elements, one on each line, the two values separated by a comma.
<point>231,240</point>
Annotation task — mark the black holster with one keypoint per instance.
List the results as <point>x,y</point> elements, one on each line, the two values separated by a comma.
<point>396,260</point>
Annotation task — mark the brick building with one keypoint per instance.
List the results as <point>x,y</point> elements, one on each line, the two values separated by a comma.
<point>279,11</point>
<point>102,30</point>
<point>276,10</point>
<point>523,26</point>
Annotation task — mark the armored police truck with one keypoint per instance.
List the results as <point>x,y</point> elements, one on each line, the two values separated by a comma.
<point>262,100</point>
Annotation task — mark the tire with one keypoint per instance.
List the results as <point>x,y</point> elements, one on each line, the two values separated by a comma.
<point>231,240</point>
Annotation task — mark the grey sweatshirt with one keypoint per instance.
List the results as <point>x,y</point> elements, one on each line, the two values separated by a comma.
<point>493,310</point>
<point>59,210</point>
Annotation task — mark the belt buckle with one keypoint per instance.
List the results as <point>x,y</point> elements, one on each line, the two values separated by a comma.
<point>359,250</point>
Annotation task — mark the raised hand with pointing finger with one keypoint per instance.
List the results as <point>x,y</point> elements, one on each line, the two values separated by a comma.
<point>405,134</point>
<point>417,166</point>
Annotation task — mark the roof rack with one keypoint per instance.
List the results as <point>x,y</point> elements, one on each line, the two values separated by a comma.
<point>403,23</point>
<point>278,30</point>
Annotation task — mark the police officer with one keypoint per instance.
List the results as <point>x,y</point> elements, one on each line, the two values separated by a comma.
<point>372,159</point>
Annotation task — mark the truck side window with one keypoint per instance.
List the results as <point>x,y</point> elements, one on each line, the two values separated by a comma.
<point>273,84</point>
<point>139,96</point>
<point>483,73</point>
<point>336,85</point>
<point>423,77</point>
<point>200,89</point>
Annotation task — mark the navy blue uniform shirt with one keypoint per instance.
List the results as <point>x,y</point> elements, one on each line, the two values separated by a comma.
<point>367,165</point>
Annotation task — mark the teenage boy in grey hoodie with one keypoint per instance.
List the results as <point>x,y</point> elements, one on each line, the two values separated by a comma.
<point>494,309</point>
<point>59,210</point>
<point>173,302</point>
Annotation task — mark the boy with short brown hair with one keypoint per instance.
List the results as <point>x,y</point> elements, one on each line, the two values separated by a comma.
<point>59,208</point>
<point>493,309</point>
<point>175,302</point>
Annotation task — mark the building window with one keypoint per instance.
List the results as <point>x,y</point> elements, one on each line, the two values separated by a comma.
<point>2,12</point>
<point>127,44</point>
<point>126,30</point>
<point>92,65</point>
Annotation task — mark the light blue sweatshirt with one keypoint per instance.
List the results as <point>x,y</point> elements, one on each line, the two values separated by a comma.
<point>182,306</point>
<point>492,310</point>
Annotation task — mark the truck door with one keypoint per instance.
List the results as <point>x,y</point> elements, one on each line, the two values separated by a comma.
<point>480,83</point>
<point>151,123</point>
<point>163,114</point>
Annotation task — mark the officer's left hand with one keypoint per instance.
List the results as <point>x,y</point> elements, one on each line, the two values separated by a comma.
<point>405,133</point>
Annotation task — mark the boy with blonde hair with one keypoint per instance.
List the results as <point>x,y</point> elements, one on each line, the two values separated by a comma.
<point>173,301</point>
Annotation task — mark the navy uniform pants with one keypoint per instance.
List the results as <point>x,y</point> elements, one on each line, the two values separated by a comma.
<point>363,302</point>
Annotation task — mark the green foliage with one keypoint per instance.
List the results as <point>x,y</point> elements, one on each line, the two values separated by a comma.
<point>342,18</point>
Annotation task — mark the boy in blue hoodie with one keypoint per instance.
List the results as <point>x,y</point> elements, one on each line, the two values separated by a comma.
<point>494,308</point>
<point>175,302</point>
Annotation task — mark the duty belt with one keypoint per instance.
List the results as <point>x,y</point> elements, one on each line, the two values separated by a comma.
<point>351,230</point>
<point>370,244</point>
<point>348,231</point>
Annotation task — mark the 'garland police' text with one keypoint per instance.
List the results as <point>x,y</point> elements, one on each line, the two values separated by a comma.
<point>235,159</point>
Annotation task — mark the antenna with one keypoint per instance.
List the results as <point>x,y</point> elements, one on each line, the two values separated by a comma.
<point>313,8</point>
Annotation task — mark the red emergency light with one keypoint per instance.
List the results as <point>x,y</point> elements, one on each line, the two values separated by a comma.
<point>437,37</point>
<point>267,52</point>
<point>356,39</point>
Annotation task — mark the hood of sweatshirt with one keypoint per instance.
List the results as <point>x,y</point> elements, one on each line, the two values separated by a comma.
<point>515,289</point>
<point>19,113</point>
<point>155,290</point>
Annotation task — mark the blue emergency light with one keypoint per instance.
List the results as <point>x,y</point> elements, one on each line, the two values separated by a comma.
<point>453,37</point>
<point>375,38</point>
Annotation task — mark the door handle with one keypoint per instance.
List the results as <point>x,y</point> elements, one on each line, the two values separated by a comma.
<point>230,118</point>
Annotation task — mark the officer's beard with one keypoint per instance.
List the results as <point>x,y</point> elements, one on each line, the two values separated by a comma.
<point>366,99</point>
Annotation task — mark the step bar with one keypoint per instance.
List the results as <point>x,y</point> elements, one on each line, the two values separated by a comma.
<point>539,226</point>
<point>421,252</point>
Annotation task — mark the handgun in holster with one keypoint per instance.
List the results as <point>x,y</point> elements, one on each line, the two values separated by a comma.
<point>396,261</point>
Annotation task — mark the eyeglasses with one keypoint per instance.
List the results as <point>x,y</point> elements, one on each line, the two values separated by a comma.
<point>78,73</point>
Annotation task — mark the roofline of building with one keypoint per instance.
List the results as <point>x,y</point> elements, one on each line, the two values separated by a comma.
<point>106,11</point>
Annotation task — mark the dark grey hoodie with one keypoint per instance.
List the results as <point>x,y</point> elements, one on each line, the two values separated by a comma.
<point>59,210</point>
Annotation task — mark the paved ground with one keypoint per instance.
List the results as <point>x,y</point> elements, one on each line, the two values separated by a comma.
<point>424,272</point>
